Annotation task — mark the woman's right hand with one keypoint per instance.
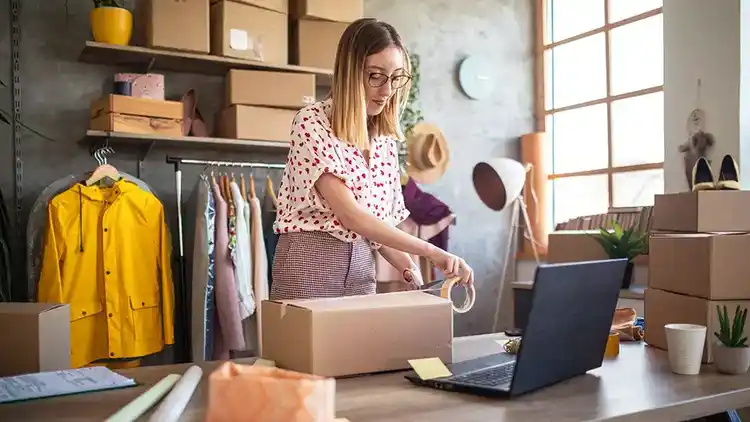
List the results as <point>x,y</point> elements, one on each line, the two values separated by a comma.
<point>451,265</point>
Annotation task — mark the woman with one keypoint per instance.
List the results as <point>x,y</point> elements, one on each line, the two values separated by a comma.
<point>340,196</point>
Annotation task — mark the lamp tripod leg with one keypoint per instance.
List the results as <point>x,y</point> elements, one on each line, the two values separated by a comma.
<point>509,257</point>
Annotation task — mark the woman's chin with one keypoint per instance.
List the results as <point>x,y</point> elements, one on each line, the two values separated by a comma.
<point>374,109</point>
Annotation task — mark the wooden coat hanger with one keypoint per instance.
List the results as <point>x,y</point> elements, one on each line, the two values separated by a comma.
<point>242,187</point>
<point>270,191</point>
<point>104,170</point>
<point>252,187</point>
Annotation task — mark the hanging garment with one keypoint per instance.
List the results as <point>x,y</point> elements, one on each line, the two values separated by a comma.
<point>229,325</point>
<point>270,238</point>
<point>202,274</point>
<point>107,254</point>
<point>37,223</point>
<point>260,272</point>
<point>242,259</point>
<point>6,286</point>
<point>426,210</point>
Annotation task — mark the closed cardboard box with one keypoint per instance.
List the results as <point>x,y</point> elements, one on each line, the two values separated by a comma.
<point>314,43</point>
<point>357,334</point>
<point>255,123</point>
<point>712,266</point>
<point>275,5</point>
<point>249,32</point>
<point>574,246</point>
<point>120,113</point>
<point>35,338</point>
<point>272,89</point>
<point>175,25</point>
<point>331,10</point>
<point>702,211</point>
<point>664,308</point>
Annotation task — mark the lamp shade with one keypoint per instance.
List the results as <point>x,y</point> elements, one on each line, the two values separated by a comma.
<point>499,182</point>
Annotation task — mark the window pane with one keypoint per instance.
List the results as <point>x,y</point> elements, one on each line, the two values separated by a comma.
<point>638,130</point>
<point>579,139</point>
<point>573,17</point>
<point>637,55</point>
<point>578,196</point>
<point>623,9</point>
<point>637,188</point>
<point>548,81</point>
<point>579,71</point>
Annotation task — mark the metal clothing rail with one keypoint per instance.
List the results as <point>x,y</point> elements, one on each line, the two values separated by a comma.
<point>183,351</point>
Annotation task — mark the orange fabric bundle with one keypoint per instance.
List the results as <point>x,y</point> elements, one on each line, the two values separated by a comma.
<point>623,323</point>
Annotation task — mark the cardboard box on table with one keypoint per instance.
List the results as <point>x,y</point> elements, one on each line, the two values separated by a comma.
<point>357,334</point>
<point>35,337</point>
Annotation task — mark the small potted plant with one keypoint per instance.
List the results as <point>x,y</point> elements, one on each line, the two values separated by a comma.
<point>731,353</point>
<point>111,23</point>
<point>620,243</point>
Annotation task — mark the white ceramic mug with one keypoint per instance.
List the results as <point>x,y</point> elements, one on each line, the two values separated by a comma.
<point>685,347</point>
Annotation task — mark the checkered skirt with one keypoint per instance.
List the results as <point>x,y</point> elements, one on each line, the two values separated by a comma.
<point>317,265</point>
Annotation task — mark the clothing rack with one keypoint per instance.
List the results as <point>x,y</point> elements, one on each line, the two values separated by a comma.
<point>182,354</point>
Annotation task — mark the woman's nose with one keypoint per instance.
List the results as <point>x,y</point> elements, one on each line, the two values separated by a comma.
<point>386,89</point>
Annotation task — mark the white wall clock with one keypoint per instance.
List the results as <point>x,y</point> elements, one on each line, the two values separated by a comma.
<point>476,78</point>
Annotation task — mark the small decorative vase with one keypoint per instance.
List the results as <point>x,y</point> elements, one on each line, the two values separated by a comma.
<point>731,360</point>
<point>627,279</point>
<point>111,25</point>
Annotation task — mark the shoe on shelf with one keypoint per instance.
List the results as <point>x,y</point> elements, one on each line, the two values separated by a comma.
<point>703,178</point>
<point>728,175</point>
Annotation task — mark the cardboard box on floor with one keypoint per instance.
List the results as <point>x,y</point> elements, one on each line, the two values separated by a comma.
<point>255,123</point>
<point>314,43</point>
<point>703,211</point>
<point>249,32</point>
<point>330,10</point>
<point>35,338</point>
<point>271,89</point>
<point>357,334</point>
<point>711,266</point>
<point>175,25</point>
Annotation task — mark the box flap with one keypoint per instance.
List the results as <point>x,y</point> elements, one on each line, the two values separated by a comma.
<point>27,308</point>
<point>381,300</point>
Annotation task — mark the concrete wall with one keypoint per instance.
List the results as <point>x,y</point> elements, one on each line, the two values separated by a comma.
<point>57,89</point>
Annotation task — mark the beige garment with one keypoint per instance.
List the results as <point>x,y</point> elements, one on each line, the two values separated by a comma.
<point>260,268</point>
<point>386,273</point>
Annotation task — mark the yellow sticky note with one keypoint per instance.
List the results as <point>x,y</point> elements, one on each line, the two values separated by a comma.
<point>264,362</point>
<point>430,368</point>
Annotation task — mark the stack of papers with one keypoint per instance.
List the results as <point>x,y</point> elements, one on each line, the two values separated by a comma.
<point>60,383</point>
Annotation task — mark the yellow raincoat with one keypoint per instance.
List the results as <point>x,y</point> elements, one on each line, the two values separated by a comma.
<point>107,254</point>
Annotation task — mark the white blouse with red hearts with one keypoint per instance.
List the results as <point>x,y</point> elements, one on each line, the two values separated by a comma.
<point>314,150</point>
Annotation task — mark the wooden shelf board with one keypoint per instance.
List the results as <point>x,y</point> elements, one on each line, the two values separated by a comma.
<point>188,140</point>
<point>178,61</point>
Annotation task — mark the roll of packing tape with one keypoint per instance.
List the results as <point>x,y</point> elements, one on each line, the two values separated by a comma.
<point>613,345</point>
<point>445,292</point>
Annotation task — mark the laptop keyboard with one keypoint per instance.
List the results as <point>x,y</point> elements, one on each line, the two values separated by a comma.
<point>489,377</point>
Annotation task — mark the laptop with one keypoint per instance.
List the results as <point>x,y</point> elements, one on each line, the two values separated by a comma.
<point>569,323</point>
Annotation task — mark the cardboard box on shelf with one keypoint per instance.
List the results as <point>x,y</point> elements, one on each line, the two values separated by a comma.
<point>249,32</point>
<point>35,337</point>
<point>272,89</point>
<point>255,123</point>
<point>703,211</point>
<point>357,334</point>
<point>314,43</point>
<point>672,308</point>
<point>712,266</point>
<point>281,6</point>
<point>120,113</point>
<point>331,10</point>
<point>163,24</point>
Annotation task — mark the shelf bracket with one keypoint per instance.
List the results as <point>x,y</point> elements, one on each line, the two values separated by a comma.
<point>150,65</point>
<point>143,152</point>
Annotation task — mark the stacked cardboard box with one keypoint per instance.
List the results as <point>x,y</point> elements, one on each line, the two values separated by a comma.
<point>697,260</point>
<point>316,27</point>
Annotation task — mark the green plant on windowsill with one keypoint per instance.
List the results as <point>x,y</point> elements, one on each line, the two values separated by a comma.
<point>732,336</point>
<point>411,114</point>
<point>619,243</point>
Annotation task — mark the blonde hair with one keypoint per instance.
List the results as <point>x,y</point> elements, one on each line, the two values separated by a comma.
<point>349,118</point>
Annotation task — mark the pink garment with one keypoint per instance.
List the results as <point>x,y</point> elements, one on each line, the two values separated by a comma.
<point>315,151</point>
<point>229,335</point>
<point>385,272</point>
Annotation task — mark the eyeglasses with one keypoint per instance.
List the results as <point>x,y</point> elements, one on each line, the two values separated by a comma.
<point>376,80</point>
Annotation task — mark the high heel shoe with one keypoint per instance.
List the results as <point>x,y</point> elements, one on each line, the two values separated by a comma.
<point>728,174</point>
<point>703,178</point>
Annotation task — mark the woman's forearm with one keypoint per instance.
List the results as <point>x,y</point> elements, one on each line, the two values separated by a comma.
<point>357,219</point>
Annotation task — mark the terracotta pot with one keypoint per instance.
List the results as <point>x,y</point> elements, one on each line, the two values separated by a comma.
<point>731,360</point>
<point>111,25</point>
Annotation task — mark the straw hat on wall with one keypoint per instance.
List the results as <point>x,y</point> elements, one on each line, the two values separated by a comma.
<point>428,153</point>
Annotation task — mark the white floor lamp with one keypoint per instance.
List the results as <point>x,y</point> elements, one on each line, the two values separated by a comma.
<point>499,183</point>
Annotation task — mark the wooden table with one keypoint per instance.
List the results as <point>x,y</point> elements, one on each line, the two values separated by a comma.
<point>637,386</point>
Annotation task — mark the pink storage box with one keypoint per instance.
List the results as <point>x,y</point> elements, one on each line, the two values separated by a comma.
<point>150,85</point>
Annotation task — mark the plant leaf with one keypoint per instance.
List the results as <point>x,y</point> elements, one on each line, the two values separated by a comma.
<point>617,229</point>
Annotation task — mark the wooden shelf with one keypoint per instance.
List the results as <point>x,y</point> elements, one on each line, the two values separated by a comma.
<point>177,61</point>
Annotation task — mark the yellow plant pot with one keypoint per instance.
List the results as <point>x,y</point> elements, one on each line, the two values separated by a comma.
<point>111,25</point>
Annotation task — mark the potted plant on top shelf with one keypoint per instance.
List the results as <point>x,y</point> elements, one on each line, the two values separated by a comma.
<point>731,353</point>
<point>111,23</point>
<point>620,243</point>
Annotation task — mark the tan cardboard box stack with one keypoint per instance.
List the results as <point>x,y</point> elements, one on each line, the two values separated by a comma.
<point>316,27</point>
<point>697,260</point>
<point>261,104</point>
